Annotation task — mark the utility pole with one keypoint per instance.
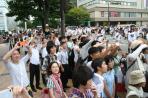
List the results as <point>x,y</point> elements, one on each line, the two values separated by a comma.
<point>108,14</point>
<point>62,10</point>
<point>108,17</point>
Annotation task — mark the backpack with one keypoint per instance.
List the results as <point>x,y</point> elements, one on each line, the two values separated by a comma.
<point>81,61</point>
<point>123,65</point>
<point>47,62</point>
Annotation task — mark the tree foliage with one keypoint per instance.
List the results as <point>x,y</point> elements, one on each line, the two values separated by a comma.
<point>77,16</point>
<point>39,9</point>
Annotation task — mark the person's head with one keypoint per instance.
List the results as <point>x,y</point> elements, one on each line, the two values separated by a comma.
<point>93,51</point>
<point>136,44</point>
<point>64,45</point>
<point>69,38</point>
<point>99,65</point>
<point>15,57</point>
<point>75,41</point>
<point>109,61</point>
<point>63,39</point>
<point>137,78</point>
<point>82,77</point>
<point>94,43</point>
<point>145,50</point>
<point>33,44</point>
<point>53,68</point>
<point>51,48</point>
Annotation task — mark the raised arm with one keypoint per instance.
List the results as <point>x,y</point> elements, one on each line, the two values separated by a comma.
<point>8,54</point>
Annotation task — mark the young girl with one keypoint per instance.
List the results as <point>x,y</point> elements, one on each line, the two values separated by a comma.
<point>54,83</point>
<point>83,84</point>
<point>109,85</point>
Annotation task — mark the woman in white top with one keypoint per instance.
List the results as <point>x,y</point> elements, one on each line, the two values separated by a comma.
<point>16,66</point>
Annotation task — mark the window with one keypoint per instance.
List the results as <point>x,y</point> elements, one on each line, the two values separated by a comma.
<point>132,14</point>
<point>116,3</point>
<point>102,13</point>
<point>133,4</point>
<point>126,14</point>
<point>114,14</point>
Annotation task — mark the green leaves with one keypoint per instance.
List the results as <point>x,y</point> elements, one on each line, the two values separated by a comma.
<point>77,16</point>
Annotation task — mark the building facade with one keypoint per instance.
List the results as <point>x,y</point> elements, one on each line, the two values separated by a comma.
<point>117,11</point>
<point>6,23</point>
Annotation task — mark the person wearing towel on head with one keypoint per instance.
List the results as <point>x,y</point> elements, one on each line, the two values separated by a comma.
<point>136,82</point>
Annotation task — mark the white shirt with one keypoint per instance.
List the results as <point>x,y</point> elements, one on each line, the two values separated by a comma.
<point>35,58</point>
<point>44,52</point>
<point>57,42</point>
<point>62,56</point>
<point>89,65</point>
<point>76,53</point>
<point>135,91</point>
<point>132,36</point>
<point>99,82</point>
<point>18,72</point>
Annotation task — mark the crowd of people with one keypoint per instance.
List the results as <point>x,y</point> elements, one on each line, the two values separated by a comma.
<point>99,68</point>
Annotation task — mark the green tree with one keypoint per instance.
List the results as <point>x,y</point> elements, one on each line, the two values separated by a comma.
<point>77,16</point>
<point>39,9</point>
<point>43,11</point>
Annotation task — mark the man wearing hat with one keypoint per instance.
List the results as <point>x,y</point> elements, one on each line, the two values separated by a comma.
<point>136,82</point>
<point>134,60</point>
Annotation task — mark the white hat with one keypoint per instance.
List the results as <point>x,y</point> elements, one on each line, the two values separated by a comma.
<point>135,43</point>
<point>136,77</point>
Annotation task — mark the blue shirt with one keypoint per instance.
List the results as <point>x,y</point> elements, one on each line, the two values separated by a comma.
<point>109,78</point>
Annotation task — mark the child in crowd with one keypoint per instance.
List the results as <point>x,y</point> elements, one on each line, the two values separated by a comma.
<point>83,84</point>
<point>54,83</point>
<point>109,77</point>
<point>100,68</point>
<point>123,63</point>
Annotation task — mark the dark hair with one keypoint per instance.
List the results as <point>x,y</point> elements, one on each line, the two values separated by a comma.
<point>49,72</point>
<point>143,50</point>
<point>50,44</point>
<point>108,58</point>
<point>74,41</point>
<point>97,63</point>
<point>68,38</point>
<point>95,49</point>
<point>61,38</point>
<point>94,43</point>
<point>81,75</point>
<point>62,43</point>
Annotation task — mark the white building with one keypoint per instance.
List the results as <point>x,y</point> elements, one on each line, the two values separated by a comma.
<point>6,23</point>
<point>120,11</point>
